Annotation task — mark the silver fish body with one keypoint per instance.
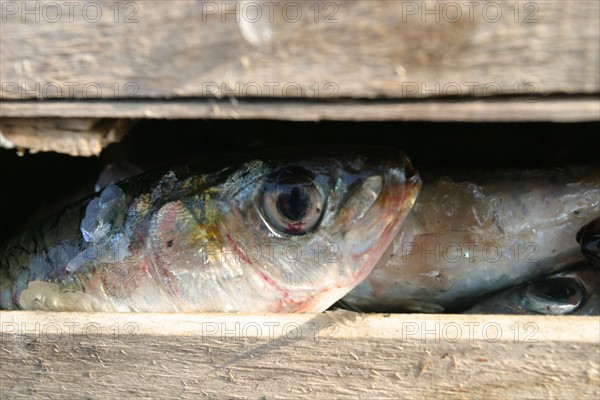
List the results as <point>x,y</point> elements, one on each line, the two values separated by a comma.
<point>573,292</point>
<point>279,231</point>
<point>464,240</point>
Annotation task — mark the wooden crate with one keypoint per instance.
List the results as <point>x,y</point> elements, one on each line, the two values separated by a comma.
<point>76,83</point>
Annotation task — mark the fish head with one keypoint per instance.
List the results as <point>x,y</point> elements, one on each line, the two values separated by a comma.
<point>572,292</point>
<point>589,239</point>
<point>292,231</point>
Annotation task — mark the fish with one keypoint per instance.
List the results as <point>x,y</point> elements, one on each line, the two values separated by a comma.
<point>589,238</point>
<point>463,240</point>
<point>572,292</point>
<point>271,230</point>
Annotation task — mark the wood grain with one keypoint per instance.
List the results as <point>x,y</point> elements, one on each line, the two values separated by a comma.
<point>350,48</point>
<point>338,355</point>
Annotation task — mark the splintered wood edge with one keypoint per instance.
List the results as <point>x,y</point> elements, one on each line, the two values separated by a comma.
<point>571,109</point>
<point>334,324</point>
<point>74,136</point>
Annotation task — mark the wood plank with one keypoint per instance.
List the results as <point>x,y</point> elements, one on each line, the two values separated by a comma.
<point>576,109</point>
<point>351,48</point>
<point>338,355</point>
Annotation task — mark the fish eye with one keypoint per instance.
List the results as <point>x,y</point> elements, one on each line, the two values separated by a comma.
<point>555,296</point>
<point>292,201</point>
<point>589,239</point>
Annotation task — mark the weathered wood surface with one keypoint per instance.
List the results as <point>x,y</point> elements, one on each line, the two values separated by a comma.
<point>349,48</point>
<point>333,355</point>
<point>572,109</point>
<point>83,129</point>
<point>75,136</point>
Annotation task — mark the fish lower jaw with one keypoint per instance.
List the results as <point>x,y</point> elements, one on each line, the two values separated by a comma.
<point>322,301</point>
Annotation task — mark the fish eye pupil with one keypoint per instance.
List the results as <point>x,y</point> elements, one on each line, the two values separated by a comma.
<point>293,204</point>
<point>555,290</point>
<point>292,201</point>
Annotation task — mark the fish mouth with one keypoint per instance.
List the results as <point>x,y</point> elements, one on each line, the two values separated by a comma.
<point>384,220</point>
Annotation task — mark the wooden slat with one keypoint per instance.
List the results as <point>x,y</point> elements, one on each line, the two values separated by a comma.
<point>338,355</point>
<point>352,48</point>
<point>509,110</point>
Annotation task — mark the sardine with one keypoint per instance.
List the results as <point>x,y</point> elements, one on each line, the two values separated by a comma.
<point>463,240</point>
<point>282,231</point>
<point>589,239</point>
<point>573,292</point>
